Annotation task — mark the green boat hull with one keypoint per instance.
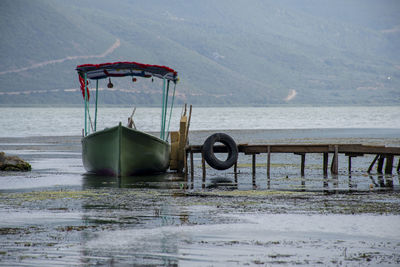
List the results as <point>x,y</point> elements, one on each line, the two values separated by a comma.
<point>121,151</point>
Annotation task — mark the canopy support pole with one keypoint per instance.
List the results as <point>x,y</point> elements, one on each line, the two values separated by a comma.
<point>165,109</point>
<point>162,112</point>
<point>85,104</point>
<point>170,112</point>
<point>95,112</point>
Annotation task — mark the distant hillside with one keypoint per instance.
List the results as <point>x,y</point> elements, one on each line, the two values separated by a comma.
<point>253,52</point>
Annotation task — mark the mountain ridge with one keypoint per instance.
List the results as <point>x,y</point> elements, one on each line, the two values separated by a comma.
<point>242,53</point>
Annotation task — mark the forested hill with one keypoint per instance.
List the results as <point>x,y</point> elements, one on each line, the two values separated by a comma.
<point>244,52</point>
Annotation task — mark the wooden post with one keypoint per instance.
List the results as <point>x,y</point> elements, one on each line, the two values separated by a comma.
<point>203,166</point>
<point>268,167</point>
<point>303,160</point>
<point>372,163</point>
<point>350,165</point>
<point>182,142</point>
<point>335,164</point>
<point>389,164</point>
<point>303,180</point>
<point>325,169</point>
<point>191,165</point>
<point>325,164</point>
<point>235,171</point>
<point>380,163</point>
<point>253,165</point>
<point>185,165</point>
<point>398,166</point>
<point>268,160</point>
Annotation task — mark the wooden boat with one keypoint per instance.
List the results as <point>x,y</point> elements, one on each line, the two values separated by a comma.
<point>120,150</point>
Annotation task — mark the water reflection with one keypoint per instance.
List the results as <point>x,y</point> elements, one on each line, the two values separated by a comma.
<point>129,207</point>
<point>222,183</point>
<point>156,181</point>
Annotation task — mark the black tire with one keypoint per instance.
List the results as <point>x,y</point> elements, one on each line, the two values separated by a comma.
<point>208,151</point>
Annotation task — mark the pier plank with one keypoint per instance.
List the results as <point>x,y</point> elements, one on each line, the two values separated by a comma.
<point>357,149</point>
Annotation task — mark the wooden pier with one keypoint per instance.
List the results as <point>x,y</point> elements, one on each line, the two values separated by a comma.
<point>382,153</point>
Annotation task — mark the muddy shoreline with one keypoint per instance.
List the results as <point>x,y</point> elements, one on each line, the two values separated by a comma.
<point>58,215</point>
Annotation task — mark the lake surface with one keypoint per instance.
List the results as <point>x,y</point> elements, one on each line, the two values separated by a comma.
<point>69,121</point>
<point>59,215</point>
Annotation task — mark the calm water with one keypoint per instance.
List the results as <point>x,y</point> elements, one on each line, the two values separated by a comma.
<point>69,121</point>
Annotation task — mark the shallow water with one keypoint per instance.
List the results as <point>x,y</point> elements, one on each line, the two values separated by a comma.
<point>58,215</point>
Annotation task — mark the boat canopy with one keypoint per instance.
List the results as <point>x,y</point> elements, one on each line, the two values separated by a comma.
<point>121,69</point>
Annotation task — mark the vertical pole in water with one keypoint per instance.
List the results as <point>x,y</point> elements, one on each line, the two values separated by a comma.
<point>268,160</point>
<point>253,165</point>
<point>325,167</point>
<point>380,163</point>
<point>203,167</point>
<point>268,167</point>
<point>303,161</point>
<point>162,112</point>
<point>325,163</point>
<point>335,167</point>
<point>95,112</point>
<point>350,165</point>
<point>191,165</point>
<point>389,164</point>
<point>373,163</point>
<point>85,78</point>
<point>235,172</point>
<point>186,167</point>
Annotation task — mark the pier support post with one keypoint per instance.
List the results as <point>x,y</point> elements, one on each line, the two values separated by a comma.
<point>269,160</point>
<point>191,165</point>
<point>203,167</point>
<point>373,163</point>
<point>325,164</point>
<point>325,169</point>
<point>350,164</point>
<point>389,164</point>
<point>185,165</point>
<point>253,166</point>
<point>235,172</point>
<point>268,167</point>
<point>380,163</point>
<point>398,166</point>
<point>335,164</point>
<point>303,161</point>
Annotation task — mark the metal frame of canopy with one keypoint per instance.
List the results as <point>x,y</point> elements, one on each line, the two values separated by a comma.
<point>102,71</point>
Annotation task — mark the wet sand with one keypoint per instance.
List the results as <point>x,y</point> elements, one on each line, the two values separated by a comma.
<point>58,215</point>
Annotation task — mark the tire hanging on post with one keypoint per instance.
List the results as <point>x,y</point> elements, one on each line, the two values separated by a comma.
<point>208,151</point>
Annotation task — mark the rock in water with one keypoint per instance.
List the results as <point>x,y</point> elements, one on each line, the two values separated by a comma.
<point>13,163</point>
